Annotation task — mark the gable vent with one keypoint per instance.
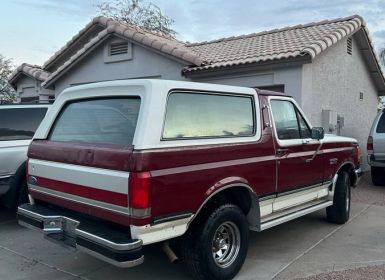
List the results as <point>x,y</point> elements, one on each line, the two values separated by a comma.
<point>349,48</point>
<point>118,48</point>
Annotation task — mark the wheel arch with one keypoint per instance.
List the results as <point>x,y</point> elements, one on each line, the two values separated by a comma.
<point>239,194</point>
<point>348,167</point>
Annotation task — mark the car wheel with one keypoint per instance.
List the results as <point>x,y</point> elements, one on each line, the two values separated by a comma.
<point>339,212</point>
<point>378,176</point>
<point>216,247</point>
<point>18,191</point>
<point>23,193</point>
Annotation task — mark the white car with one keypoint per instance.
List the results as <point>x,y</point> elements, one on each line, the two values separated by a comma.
<point>18,124</point>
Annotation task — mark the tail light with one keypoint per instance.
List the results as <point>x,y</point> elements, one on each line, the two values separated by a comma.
<point>369,145</point>
<point>140,194</point>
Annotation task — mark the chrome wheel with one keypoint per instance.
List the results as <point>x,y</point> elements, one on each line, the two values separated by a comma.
<point>226,244</point>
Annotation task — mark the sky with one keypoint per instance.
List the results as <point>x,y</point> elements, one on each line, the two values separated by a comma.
<point>33,30</point>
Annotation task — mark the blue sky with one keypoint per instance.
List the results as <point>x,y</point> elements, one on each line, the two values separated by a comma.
<point>32,30</point>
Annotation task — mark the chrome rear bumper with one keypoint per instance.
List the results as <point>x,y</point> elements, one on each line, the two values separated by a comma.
<point>372,161</point>
<point>111,245</point>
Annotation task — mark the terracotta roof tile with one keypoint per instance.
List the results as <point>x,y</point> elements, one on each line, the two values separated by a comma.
<point>278,44</point>
<point>300,40</point>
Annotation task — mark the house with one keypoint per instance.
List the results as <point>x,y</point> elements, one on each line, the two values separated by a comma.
<point>329,67</point>
<point>27,80</point>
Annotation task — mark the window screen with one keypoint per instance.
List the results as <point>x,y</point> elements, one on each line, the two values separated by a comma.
<point>198,115</point>
<point>108,121</point>
<point>381,124</point>
<point>20,123</point>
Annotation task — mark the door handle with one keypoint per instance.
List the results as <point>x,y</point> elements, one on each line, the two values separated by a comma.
<point>281,152</point>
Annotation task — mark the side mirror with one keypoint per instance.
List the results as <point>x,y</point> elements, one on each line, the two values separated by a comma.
<point>317,133</point>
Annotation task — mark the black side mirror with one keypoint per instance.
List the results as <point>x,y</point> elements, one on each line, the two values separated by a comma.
<point>317,133</point>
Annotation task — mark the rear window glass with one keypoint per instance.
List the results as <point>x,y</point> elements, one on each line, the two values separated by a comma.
<point>381,124</point>
<point>107,121</point>
<point>20,123</point>
<point>201,115</point>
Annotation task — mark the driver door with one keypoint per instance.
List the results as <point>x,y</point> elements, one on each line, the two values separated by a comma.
<point>299,158</point>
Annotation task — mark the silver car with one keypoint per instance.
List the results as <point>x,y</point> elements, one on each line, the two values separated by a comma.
<point>18,124</point>
<point>376,149</point>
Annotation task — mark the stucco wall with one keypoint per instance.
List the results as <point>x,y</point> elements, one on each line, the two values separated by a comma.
<point>290,77</point>
<point>333,82</point>
<point>27,87</point>
<point>144,64</point>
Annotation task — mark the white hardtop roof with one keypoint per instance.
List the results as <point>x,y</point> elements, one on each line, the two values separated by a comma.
<point>153,94</point>
<point>165,85</point>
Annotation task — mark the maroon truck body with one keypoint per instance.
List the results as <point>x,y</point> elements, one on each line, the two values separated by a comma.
<point>270,181</point>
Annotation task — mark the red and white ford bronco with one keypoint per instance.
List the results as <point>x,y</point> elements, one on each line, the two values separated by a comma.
<point>118,165</point>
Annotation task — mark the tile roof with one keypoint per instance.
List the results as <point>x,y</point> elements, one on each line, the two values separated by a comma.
<point>163,44</point>
<point>33,71</point>
<point>300,40</point>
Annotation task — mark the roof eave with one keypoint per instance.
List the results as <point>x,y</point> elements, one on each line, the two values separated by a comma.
<point>13,79</point>
<point>62,70</point>
<point>204,72</point>
<point>372,60</point>
<point>132,36</point>
<point>97,21</point>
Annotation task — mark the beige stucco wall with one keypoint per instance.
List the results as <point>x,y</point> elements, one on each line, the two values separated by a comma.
<point>333,82</point>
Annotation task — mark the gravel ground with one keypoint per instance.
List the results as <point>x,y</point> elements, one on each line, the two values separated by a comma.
<point>368,194</point>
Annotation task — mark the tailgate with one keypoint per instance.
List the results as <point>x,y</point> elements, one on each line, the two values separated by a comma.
<point>75,176</point>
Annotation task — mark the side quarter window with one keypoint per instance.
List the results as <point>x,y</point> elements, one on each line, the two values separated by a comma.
<point>200,115</point>
<point>288,121</point>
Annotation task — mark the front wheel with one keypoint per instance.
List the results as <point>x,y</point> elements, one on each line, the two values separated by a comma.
<point>216,247</point>
<point>339,212</point>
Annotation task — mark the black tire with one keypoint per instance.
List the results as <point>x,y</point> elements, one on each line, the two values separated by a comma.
<point>18,191</point>
<point>378,176</point>
<point>339,212</point>
<point>203,248</point>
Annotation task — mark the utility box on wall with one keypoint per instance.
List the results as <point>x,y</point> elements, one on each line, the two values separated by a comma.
<point>329,121</point>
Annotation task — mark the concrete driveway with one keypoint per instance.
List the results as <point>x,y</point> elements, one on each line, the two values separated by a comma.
<point>305,248</point>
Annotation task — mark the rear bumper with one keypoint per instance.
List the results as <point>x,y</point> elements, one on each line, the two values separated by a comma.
<point>375,163</point>
<point>104,242</point>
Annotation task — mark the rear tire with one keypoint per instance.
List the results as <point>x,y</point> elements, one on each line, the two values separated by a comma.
<point>339,212</point>
<point>378,175</point>
<point>216,247</point>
